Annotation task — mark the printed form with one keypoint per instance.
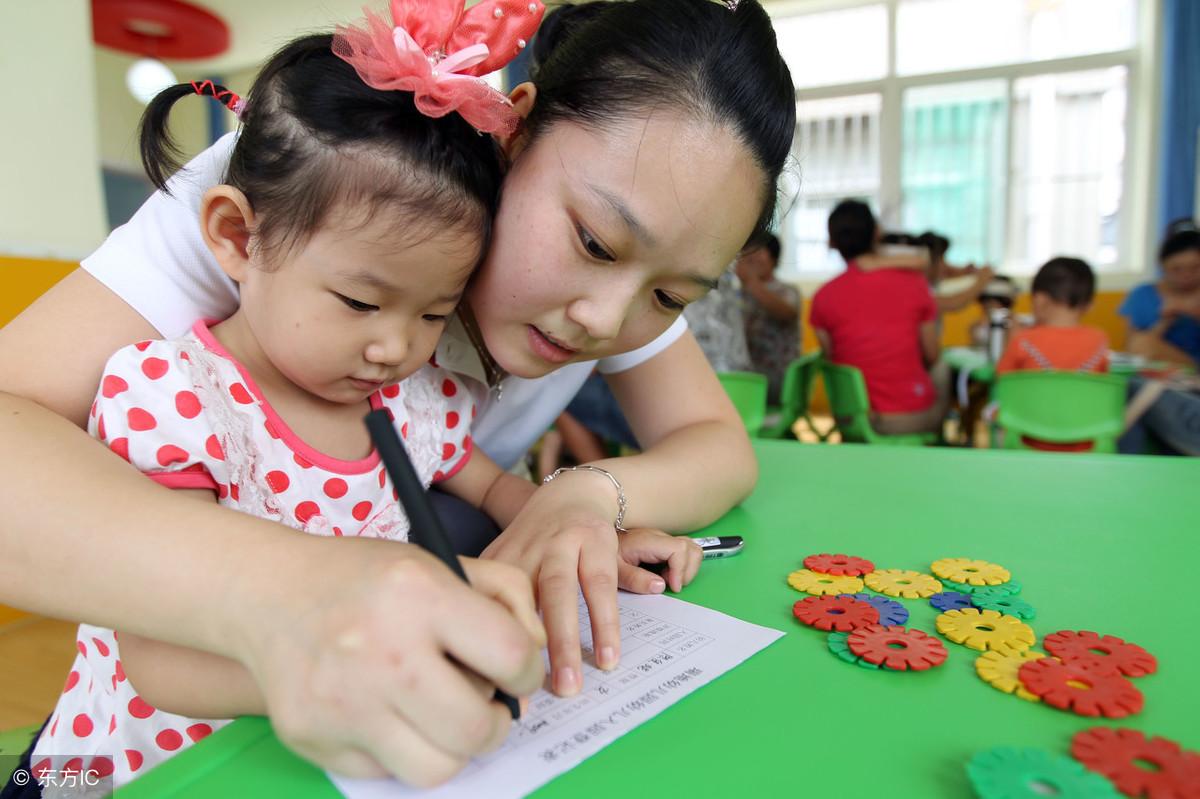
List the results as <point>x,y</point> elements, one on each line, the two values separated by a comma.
<point>669,648</point>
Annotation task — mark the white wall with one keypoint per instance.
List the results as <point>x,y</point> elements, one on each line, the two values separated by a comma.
<point>51,204</point>
<point>118,114</point>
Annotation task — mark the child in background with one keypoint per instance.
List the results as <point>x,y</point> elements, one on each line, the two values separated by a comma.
<point>351,220</point>
<point>770,308</point>
<point>998,295</point>
<point>1062,293</point>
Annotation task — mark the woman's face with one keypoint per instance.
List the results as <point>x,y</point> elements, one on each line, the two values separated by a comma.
<point>604,235</point>
<point>1181,272</point>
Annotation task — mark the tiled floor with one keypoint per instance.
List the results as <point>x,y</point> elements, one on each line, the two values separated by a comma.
<point>35,656</point>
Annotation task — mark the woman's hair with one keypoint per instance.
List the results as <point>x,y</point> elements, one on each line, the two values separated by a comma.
<point>1182,235</point>
<point>315,137</point>
<point>611,60</point>
<point>852,229</point>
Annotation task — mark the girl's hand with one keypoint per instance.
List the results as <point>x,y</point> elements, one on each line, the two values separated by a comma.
<point>375,660</point>
<point>681,554</point>
<point>564,540</point>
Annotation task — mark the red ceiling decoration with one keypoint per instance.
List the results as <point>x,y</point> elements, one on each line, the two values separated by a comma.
<point>170,29</point>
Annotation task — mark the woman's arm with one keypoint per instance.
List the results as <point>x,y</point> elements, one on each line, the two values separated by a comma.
<point>298,611</point>
<point>697,463</point>
<point>1151,344</point>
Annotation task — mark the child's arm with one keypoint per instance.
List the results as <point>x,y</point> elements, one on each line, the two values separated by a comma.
<point>872,261</point>
<point>488,487</point>
<point>187,681</point>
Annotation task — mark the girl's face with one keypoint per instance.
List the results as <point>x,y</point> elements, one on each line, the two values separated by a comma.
<point>1181,272</point>
<point>359,306</point>
<point>603,235</point>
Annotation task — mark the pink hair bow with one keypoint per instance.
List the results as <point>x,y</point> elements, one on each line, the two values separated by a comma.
<point>439,52</point>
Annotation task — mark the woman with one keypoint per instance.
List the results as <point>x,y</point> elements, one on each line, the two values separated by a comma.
<point>606,230</point>
<point>1164,317</point>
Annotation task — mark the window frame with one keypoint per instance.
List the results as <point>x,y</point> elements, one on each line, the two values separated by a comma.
<point>1137,239</point>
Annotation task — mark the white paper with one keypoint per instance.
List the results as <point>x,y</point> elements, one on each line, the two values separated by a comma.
<point>669,648</point>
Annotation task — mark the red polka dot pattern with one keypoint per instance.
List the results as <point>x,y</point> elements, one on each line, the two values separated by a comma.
<point>141,420</point>
<point>278,481</point>
<point>112,385</point>
<point>169,453</point>
<point>82,726</point>
<point>169,740</point>
<point>139,709</point>
<point>188,404</point>
<point>154,368</point>
<point>305,511</point>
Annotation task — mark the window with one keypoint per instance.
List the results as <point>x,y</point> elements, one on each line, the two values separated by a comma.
<point>1004,125</point>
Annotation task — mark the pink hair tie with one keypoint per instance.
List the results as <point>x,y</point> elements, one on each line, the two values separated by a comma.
<point>440,52</point>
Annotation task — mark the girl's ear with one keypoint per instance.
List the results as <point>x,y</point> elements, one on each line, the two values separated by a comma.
<point>226,220</point>
<point>523,98</point>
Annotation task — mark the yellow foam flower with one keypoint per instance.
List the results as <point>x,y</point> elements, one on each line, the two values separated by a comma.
<point>999,670</point>
<point>902,583</point>
<point>971,572</point>
<point>986,629</point>
<point>818,584</point>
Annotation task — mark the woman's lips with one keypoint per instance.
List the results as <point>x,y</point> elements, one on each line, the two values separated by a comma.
<point>547,349</point>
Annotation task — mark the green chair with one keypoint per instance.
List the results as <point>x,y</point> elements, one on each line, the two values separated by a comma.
<point>794,397</point>
<point>13,744</point>
<point>852,409</point>
<point>748,391</point>
<point>1061,407</point>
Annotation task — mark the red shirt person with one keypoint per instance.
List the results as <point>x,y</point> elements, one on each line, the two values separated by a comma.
<point>883,322</point>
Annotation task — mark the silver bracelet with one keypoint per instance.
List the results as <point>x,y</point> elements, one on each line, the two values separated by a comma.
<point>622,502</point>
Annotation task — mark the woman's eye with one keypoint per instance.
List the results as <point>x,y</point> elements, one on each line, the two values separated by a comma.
<point>593,247</point>
<point>668,302</point>
<point>355,305</point>
<point>434,317</point>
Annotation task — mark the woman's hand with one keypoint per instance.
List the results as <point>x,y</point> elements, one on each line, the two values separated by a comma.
<point>564,540</point>
<point>681,555</point>
<point>381,661</point>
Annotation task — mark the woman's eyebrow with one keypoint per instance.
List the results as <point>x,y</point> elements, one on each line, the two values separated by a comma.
<point>627,216</point>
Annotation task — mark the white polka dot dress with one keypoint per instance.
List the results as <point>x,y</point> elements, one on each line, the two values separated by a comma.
<point>188,416</point>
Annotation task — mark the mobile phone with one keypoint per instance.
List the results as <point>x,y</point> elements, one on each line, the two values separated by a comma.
<point>722,546</point>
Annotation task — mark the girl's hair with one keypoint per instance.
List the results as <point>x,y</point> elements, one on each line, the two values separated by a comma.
<point>610,60</point>
<point>314,137</point>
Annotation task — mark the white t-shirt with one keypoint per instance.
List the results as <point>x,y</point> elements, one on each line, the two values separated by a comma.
<point>159,264</point>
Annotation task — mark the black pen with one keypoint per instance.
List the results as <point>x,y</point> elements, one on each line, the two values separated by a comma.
<point>424,527</point>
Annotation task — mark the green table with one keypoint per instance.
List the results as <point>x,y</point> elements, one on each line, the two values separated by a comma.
<point>1099,542</point>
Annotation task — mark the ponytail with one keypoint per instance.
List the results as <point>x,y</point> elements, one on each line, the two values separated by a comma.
<point>160,153</point>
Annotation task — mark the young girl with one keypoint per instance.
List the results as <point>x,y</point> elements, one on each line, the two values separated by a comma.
<point>351,221</point>
<point>606,227</point>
